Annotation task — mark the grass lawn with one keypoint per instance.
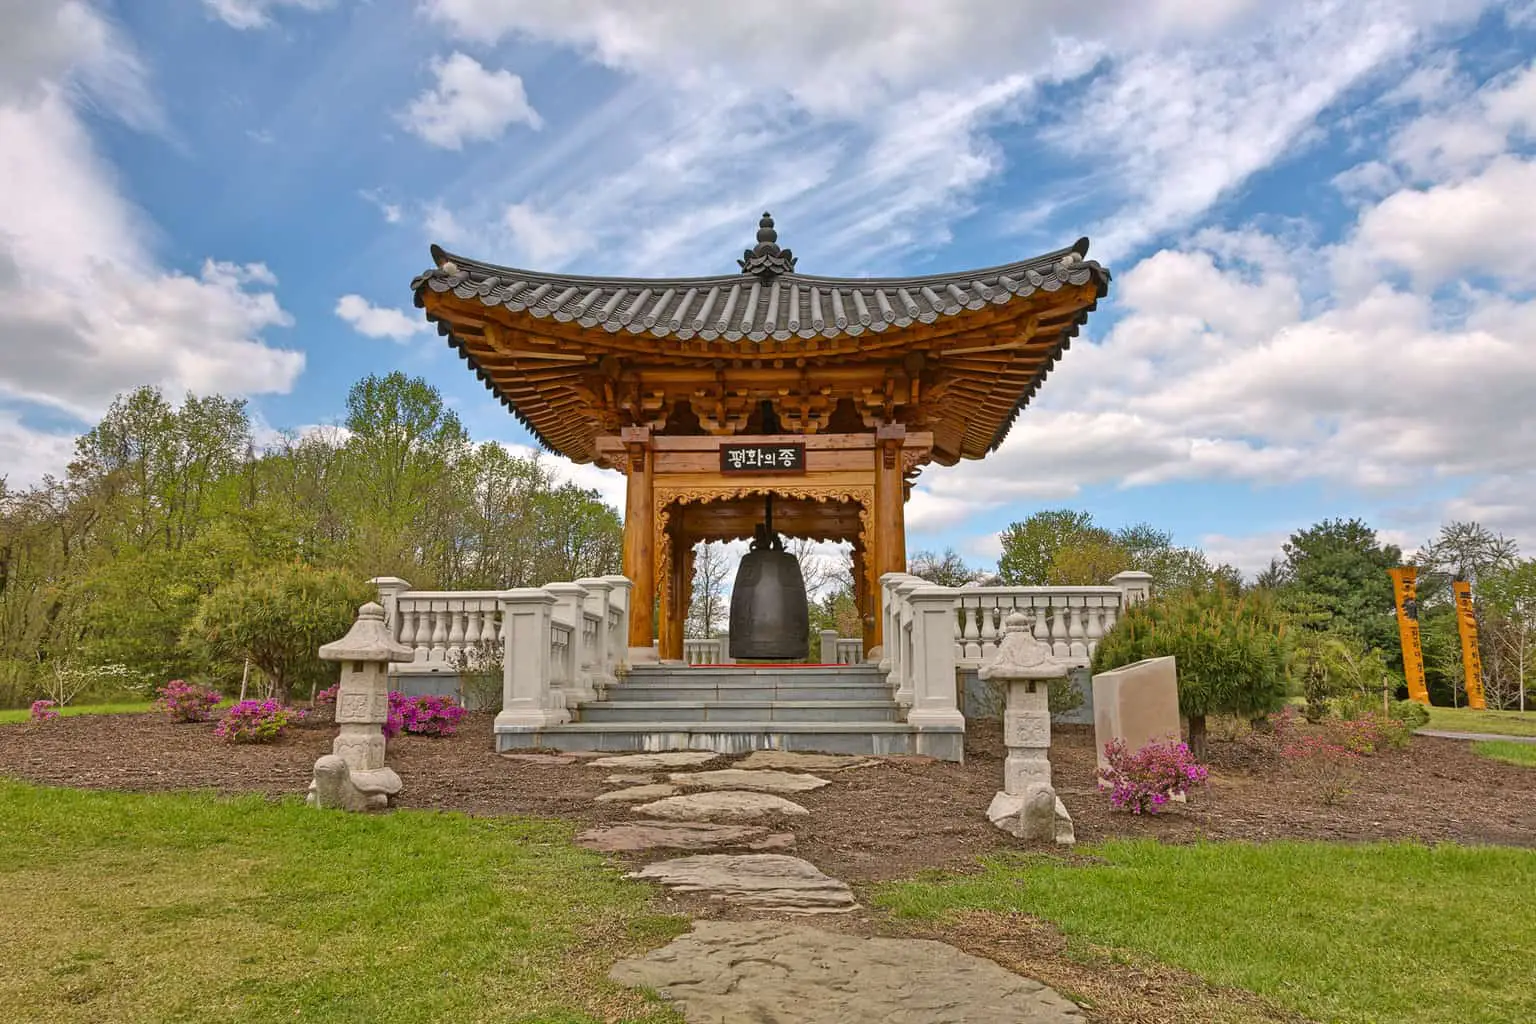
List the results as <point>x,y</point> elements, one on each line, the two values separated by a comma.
<point>25,714</point>
<point>1367,934</point>
<point>1500,723</point>
<point>1523,754</point>
<point>167,908</point>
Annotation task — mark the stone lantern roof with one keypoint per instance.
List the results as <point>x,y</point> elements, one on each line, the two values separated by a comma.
<point>1021,656</point>
<point>369,639</point>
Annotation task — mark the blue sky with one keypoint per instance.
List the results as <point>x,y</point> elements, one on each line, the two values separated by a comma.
<point>1319,217</point>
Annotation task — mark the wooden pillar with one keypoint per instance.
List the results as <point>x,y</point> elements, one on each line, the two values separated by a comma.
<point>889,545</point>
<point>639,520</point>
<point>871,623</point>
<point>672,611</point>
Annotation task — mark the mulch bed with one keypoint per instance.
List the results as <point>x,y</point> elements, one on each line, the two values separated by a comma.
<point>890,820</point>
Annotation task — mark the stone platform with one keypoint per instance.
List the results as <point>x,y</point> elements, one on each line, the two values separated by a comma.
<point>835,709</point>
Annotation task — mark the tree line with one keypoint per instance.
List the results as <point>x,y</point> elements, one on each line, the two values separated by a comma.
<point>104,570</point>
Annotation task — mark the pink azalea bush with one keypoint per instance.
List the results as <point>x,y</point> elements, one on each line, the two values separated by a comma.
<point>1145,781</point>
<point>327,695</point>
<point>427,715</point>
<point>44,711</point>
<point>185,702</point>
<point>256,721</point>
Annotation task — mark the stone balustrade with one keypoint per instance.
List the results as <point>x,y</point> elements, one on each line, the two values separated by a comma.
<point>706,651</point>
<point>930,631</point>
<point>560,644</point>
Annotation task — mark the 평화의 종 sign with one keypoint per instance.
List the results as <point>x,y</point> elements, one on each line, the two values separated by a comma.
<point>762,458</point>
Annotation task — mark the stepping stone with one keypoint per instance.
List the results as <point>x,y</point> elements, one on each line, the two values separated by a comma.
<point>651,762</point>
<point>795,761</point>
<point>756,881</point>
<point>630,780</point>
<point>727,804</point>
<point>775,972</point>
<point>634,793</point>
<point>637,837</point>
<point>541,758</point>
<point>760,782</point>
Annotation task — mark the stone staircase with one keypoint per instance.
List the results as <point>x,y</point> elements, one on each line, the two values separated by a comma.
<point>841,709</point>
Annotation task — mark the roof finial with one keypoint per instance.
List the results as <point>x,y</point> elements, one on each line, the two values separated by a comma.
<point>767,259</point>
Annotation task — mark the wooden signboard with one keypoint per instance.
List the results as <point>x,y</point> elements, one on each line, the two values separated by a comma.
<point>762,458</point>
<point>1471,659</point>
<point>1405,588</point>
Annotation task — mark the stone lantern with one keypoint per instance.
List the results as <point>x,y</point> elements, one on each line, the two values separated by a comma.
<point>353,776</point>
<point>1027,806</point>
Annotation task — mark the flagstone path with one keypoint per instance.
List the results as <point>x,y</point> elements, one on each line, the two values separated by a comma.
<point>771,971</point>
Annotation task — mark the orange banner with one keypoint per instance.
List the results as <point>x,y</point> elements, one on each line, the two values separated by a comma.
<point>1471,659</point>
<point>1405,589</point>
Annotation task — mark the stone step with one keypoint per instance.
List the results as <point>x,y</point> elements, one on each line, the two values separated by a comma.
<point>729,737</point>
<point>763,690</point>
<point>728,673</point>
<point>739,711</point>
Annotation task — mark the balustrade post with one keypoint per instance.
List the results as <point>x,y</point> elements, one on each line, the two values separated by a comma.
<point>1134,585</point>
<point>939,723</point>
<point>829,647</point>
<point>618,644</point>
<point>904,664</point>
<point>599,590</point>
<point>570,600</point>
<point>888,637</point>
<point>390,588</point>
<point>528,701</point>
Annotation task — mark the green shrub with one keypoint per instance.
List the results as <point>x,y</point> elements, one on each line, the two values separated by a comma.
<point>1411,713</point>
<point>1229,648</point>
<point>278,618</point>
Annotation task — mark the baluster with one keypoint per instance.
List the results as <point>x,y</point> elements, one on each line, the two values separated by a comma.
<point>473,627</point>
<point>1077,611</point>
<point>407,626</point>
<point>1059,643</point>
<point>439,630</point>
<point>455,630</point>
<point>972,635</point>
<point>1094,630</point>
<point>1039,615</point>
<point>988,609</point>
<point>423,642</point>
<point>490,628</point>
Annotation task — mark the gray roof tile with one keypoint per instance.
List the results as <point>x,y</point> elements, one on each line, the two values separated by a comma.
<point>736,306</point>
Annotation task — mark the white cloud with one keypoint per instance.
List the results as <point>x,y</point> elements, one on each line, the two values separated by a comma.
<point>540,239</point>
<point>27,455</point>
<point>391,212</point>
<point>1461,138</point>
<point>379,321</point>
<point>1485,224</point>
<point>468,104</point>
<point>85,310</point>
<point>244,14</point>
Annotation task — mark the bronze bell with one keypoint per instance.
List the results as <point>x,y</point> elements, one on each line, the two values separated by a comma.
<point>770,614</point>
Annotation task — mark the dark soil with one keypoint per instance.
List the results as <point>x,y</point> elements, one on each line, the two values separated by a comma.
<point>890,820</point>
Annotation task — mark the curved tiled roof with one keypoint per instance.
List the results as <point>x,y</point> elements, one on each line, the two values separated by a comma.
<point>755,307</point>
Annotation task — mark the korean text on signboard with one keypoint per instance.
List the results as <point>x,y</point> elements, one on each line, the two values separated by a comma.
<point>762,458</point>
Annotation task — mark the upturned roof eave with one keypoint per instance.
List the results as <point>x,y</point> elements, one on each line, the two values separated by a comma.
<point>480,268</point>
